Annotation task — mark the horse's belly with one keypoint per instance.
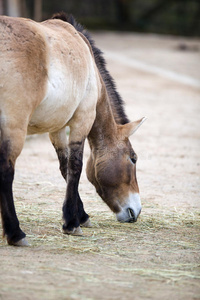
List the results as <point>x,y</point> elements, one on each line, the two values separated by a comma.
<point>59,104</point>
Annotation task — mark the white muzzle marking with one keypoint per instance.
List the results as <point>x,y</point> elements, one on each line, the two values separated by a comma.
<point>130,211</point>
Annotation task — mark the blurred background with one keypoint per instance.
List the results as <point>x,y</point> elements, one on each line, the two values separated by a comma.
<point>152,50</point>
<point>176,17</point>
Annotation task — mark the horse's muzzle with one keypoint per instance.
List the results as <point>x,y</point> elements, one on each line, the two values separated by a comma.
<point>133,217</point>
<point>130,212</point>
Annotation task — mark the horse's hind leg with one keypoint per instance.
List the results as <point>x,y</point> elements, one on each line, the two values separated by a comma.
<point>11,143</point>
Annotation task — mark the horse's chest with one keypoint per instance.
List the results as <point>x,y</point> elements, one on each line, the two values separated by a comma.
<point>63,96</point>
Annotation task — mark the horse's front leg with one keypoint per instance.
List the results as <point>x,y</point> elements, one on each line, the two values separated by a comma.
<point>60,144</point>
<point>70,206</point>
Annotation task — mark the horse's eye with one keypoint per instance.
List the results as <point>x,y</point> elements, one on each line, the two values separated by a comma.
<point>134,158</point>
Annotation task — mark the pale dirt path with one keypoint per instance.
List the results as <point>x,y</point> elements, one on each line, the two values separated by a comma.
<point>158,257</point>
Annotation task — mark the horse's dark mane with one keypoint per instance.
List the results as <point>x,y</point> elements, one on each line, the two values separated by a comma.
<point>116,101</point>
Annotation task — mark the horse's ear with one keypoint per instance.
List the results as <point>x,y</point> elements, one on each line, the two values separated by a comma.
<point>130,128</point>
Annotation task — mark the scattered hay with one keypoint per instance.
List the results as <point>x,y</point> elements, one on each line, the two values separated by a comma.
<point>109,238</point>
<point>44,224</point>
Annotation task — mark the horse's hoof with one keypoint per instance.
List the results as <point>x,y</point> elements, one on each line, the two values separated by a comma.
<point>75,231</point>
<point>87,223</point>
<point>21,243</point>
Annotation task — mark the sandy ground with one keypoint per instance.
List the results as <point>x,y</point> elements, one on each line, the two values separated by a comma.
<point>155,258</point>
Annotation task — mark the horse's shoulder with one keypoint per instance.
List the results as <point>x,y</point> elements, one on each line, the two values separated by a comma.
<point>57,24</point>
<point>62,36</point>
<point>62,30</point>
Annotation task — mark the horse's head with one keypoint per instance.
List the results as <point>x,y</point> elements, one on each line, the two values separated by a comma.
<point>112,170</point>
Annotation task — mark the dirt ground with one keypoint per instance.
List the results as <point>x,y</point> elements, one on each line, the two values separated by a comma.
<point>155,258</point>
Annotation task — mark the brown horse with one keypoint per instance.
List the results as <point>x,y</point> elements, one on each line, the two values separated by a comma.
<point>53,76</point>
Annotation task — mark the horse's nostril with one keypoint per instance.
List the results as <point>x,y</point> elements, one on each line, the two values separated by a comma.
<point>132,215</point>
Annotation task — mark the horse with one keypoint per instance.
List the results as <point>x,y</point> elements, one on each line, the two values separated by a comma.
<point>52,76</point>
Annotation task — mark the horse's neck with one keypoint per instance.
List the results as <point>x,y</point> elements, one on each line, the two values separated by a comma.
<point>116,103</point>
<point>104,129</point>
